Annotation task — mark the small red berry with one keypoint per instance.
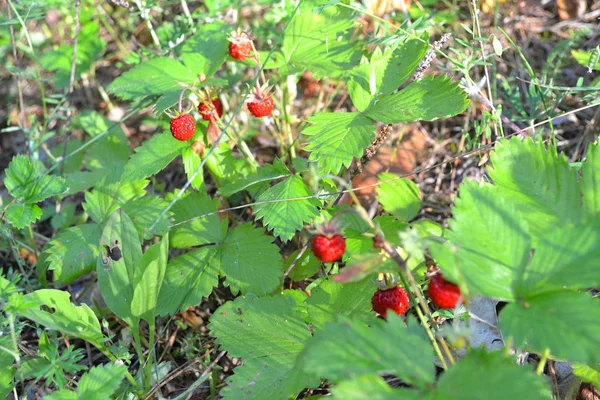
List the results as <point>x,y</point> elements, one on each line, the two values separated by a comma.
<point>443,293</point>
<point>207,110</point>
<point>261,107</point>
<point>328,248</point>
<point>395,299</point>
<point>240,51</point>
<point>183,127</point>
<point>377,242</point>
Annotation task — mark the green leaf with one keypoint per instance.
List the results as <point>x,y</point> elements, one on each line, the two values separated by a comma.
<point>332,299</point>
<point>251,261</point>
<point>63,316</point>
<point>191,162</point>
<point>283,215</point>
<point>267,333</point>
<point>152,156</point>
<point>384,72</point>
<point>431,98</point>
<point>583,57</point>
<point>201,229</point>
<point>399,197</point>
<point>144,212</point>
<point>564,322</point>
<point>207,49</point>
<point>266,173</point>
<point>7,372</point>
<point>21,215</point>
<point>101,382</point>
<point>383,348</point>
<point>587,374</point>
<point>488,244</point>
<point>371,387</point>
<point>148,278</point>
<point>152,78</point>
<point>73,252</point>
<point>590,180</point>
<point>188,279</point>
<point>336,138</point>
<point>108,196</point>
<point>62,395</point>
<point>29,183</point>
<point>538,182</point>
<point>116,275</point>
<point>482,375</point>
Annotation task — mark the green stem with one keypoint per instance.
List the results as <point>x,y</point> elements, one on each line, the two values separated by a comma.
<point>150,359</point>
<point>540,367</point>
<point>137,389</point>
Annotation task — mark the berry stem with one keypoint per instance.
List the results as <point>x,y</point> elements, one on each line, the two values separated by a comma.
<point>181,99</point>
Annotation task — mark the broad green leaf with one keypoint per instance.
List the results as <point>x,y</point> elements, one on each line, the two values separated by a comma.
<point>188,278</point>
<point>21,215</point>
<point>590,180</point>
<point>202,229</point>
<point>251,261</point>
<point>101,382</point>
<point>583,57</point>
<point>566,257</point>
<point>144,212</point>
<point>191,162</point>
<point>564,322</point>
<point>488,243</point>
<point>7,372</point>
<point>331,300</point>
<point>73,252</point>
<point>399,197</point>
<point>108,196</point>
<point>80,181</point>
<point>382,348</point>
<point>431,98</point>
<point>148,279</point>
<point>587,374</point>
<point>28,182</point>
<point>370,387</point>
<point>336,138</point>
<point>62,395</point>
<point>266,173</point>
<point>62,315</point>
<point>311,41</point>
<point>490,376</point>
<point>538,182</point>
<point>384,72</point>
<point>206,50</point>
<point>152,78</point>
<point>152,156</point>
<point>116,275</point>
<point>267,333</point>
<point>281,212</point>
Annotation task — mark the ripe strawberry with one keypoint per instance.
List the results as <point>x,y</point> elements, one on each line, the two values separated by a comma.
<point>240,45</point>
<point>395,299</point>
<point>328,248</point>
<point>260,102</point>
<point>377,242</point>
<point>207,109</point>
<point>183,127</point>
<point>443,293</point>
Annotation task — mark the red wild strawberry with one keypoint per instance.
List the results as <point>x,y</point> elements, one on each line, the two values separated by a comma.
<point>328,248</point>
<point>183,127</point>
<point>260,102</point>
<point>443,293</point>
<point>240,45</point>
<point>207,109</point>
<point>395,299</point>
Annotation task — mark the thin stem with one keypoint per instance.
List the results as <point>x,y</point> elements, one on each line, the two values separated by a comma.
<point>540,367</point>
<point>149,359</point>
<point>202,378</point>
<point>19,88</point>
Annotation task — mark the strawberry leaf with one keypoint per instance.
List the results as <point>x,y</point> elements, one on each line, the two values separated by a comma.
<point>206,50</point>
<point>371,387</point>
<point>188,279</point>
<point>286,216</point>
<point>101,382</point>
<point>564,322</point>
<point>267,333</point>
<point>538,182</point>
<point>382,348</point>
<point>27,181</point>
<point>590,180</point>
<point>21,215</point>
<point>144,212</point>
<point>399,197</point>
<point>108,196</point>
<point>429,99</point>
<point>266,173</point>
<point>201,229</point>
<point>336,138</point>
<point>250,261</point>
<point>191,162</point>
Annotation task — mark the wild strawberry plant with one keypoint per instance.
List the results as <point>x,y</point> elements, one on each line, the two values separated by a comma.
<point>528,236</point>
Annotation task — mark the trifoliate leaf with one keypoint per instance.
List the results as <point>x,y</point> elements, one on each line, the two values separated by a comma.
<point>431,98</point>
<point>28,182</point>
<point>281,212</point>
<point>73,252</point>
<point>590,180</point>
<point>188,279</point>
<point>382,348</point>
<point>202,229</point>
<point>267,333</point>
<point>21,215</point>
<point>485,375</point>
<point>563,322</point>
<point>336,138</point>
<point>251,261</point>
<point>108,196</point>
<point>266,173</point>
<point>399,197</point>
<point>152,156</point>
